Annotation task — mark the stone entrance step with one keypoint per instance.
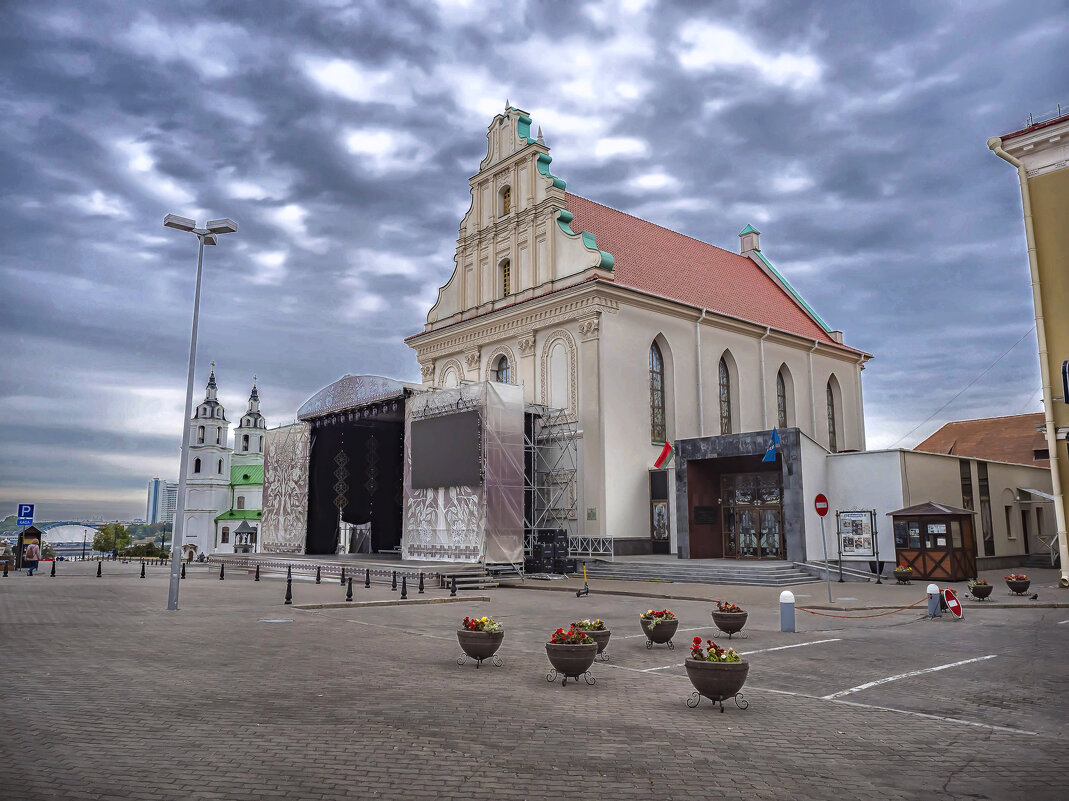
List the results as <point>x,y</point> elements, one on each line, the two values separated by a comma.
<point>778,574</point>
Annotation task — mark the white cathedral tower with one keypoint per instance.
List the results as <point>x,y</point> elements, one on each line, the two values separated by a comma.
<point>224,485</point>
<point>208,477</point>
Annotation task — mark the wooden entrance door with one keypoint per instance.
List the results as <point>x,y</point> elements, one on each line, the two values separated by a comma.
<point>703,498</point>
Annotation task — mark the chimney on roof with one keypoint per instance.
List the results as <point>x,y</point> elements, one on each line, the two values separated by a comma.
<point>749,240</point>
<point>836,336</point>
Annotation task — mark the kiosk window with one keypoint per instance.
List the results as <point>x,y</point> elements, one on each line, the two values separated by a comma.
<point>955,533</point>
<point>901,538</point>
<point>936,536</point>
<point>914,534</point>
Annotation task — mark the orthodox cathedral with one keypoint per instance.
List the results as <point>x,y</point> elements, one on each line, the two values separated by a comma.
<point>224,485</point>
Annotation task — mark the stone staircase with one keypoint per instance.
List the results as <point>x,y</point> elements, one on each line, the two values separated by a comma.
<point>1040,560</point>
<point>756,574</point>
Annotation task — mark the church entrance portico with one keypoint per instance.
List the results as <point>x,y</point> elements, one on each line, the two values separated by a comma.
<point>733,505</point>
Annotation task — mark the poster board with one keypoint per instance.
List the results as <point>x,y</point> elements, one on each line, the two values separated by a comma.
<point>857,535</point>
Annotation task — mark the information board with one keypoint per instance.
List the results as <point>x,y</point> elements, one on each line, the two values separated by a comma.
<point>857,535</point>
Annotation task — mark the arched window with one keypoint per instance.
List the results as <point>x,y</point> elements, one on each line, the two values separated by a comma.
<point>506,278</point>
<point>503,370</point>
<point>725,397</point>
<point>219,467</point>
<point>261,449</point>
<point>781,401</point>
<point>244,442</point>
<point>241,502</point>
<point>833,444</point>
<point>657,424</point>
<point>200,435</point>
<point>506,200</point>
<point>218,435</point>
<point>196,465</point>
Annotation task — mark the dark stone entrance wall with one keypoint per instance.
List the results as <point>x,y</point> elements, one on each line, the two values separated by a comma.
<point>754,443</point>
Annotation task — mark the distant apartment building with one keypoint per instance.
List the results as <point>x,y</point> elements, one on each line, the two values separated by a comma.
<point>162,501</point>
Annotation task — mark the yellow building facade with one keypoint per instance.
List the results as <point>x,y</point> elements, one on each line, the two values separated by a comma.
<point>1040,153</point>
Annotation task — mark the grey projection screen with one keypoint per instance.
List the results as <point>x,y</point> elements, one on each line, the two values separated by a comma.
<point>447,451</point>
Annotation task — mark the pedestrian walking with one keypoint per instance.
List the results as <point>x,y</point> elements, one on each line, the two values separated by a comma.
<point>31,557</point>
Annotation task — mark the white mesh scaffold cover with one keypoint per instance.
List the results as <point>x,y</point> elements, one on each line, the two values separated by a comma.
<point>503,453</point>
<point>284,526</point>
<point>470,523</point>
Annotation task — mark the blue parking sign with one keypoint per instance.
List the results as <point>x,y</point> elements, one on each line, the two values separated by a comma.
<point>25,514</point>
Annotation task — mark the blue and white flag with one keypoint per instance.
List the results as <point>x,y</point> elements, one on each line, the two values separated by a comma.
<point>773,443</point>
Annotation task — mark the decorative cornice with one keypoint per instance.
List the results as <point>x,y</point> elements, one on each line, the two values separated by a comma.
<point>550,314</point>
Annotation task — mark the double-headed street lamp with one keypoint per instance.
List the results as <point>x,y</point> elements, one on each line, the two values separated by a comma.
<point>205,236</point>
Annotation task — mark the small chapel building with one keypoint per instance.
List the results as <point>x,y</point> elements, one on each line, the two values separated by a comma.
<point>224,484</point>
<point>643,336</point>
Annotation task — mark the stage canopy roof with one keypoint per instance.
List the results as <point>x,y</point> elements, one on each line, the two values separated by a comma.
<point>351,391</point>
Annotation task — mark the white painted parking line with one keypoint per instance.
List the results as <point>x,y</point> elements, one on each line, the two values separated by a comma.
<point>878,682</point>
<point>1062,622</point>
<point>936,717</point>
<point>747,653</point>
<point>784,647</point>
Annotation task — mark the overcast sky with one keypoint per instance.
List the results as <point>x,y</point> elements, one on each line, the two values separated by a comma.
<point>341,137</point>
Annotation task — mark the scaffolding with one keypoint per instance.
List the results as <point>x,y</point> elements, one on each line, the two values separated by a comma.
<point>551,468</point>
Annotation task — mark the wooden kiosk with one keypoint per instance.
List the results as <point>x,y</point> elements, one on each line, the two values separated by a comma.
<point>936,540</point>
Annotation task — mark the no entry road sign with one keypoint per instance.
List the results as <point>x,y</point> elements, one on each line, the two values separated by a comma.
<point>821,504</point>
<point>952,602</point>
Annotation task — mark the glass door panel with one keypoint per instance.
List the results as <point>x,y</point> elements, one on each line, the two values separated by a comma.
<point>746,522</point>
<point>771,547</point>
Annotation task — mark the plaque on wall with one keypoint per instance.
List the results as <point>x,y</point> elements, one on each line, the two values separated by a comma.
<point>705,515</point>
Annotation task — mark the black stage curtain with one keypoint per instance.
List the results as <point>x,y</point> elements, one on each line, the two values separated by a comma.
<point>375,492</point>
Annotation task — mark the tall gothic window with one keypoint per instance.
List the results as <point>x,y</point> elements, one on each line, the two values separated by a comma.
<point>725,397</point>
<point>218,436</point>
<point>657,424</point>
<point>506,278</point>
<point>506,200</point>
<point>219,467</point>
<point>503,370</point>
<point>200,435</point>
<point>244,442</point>
<point>781,401</point>
<point>196,465</point>
<point>833,445</point>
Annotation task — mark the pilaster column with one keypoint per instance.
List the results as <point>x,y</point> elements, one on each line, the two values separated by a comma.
<point>526,369</point>
<point>471,363</point>
<point>591,422</point>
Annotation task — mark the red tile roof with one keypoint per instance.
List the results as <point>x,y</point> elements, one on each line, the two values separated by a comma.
<point>1001,439</point>
<point>678,267</point>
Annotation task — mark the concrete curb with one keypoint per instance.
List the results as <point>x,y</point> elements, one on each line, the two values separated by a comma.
<point>666,597</point>
<point>398,602</point>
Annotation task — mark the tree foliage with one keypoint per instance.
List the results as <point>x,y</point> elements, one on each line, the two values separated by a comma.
<point>111,536</point>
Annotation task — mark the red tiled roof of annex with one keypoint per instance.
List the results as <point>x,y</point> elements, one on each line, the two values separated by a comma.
<point>671,265</point>
<point>1002,439</point>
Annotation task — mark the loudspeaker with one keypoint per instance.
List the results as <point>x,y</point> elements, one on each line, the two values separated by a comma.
<point>546,535</point>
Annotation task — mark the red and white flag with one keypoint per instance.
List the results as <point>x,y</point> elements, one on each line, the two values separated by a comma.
<point>667,452</point>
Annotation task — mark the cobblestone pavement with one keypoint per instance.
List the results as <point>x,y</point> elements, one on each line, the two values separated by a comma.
<point>107,695</point>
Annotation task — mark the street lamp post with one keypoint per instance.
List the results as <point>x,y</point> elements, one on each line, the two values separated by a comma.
<point>85,534</point>
<point>205,236</point>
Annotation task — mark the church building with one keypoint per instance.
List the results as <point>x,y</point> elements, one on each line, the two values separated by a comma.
<point>643,335</point>
<point>224,485</point>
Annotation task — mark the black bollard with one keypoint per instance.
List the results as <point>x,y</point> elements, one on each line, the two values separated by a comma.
<point>349,590</point>
<point>394,586</point>
<point>53,573</point>
<point>420,584</point>
<point>367,578</point>
<point>5,568</point>
<point>289,572</point>
<point>183,570</point>
<point>257,573</point>
<point>142,570</point>
<point>222,570</point>
<point>289,590</point>
<point>404,587</point>
<point>317,574</point>
<point>99,565</point>
<point>453,587</point>
<point>343,575</point>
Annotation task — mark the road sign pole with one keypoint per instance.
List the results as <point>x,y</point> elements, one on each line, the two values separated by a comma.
<point>827,569</point>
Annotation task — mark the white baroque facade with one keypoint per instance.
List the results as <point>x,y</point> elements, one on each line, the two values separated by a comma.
<point>573,317</point>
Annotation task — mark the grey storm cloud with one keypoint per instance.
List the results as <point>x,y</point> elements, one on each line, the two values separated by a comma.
<point>341,137</point>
